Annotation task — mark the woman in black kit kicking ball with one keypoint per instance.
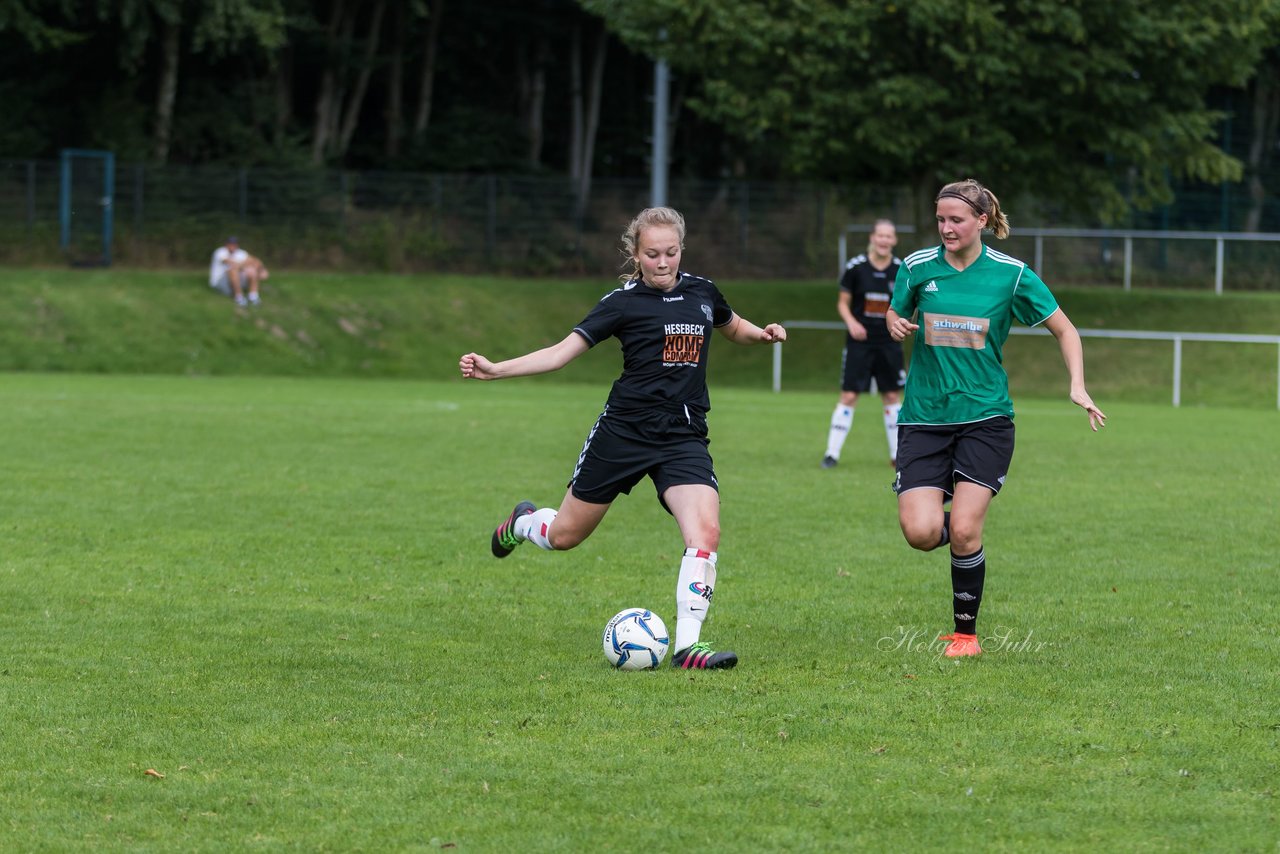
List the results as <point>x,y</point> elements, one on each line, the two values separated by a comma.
<point>654,422</point>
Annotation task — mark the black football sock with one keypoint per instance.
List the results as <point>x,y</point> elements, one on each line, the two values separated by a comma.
<point>967,574</point>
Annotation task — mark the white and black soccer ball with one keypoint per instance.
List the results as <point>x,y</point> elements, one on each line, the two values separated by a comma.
<point>636,639</point>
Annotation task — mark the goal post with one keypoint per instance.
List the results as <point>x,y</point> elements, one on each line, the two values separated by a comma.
<point>86,193</point>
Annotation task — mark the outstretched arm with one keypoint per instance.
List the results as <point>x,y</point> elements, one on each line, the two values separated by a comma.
<point>741,331</point>
<point>1073,354</point>
<point>544,361</point>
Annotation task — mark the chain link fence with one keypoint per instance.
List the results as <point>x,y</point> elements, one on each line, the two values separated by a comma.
<point>402,222</point>
<point>174,216</point>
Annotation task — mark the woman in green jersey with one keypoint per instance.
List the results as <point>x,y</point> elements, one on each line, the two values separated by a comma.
<point>955,437</point>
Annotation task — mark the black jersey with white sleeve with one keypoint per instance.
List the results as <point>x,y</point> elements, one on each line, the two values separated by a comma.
<point>665,338</point>
<point>871,291</point>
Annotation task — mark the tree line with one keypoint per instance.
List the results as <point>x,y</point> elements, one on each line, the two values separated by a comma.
<point>1098,106</point>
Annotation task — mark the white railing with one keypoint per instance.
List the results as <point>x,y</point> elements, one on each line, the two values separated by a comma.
<point>1219,238</point>
<point>1136,334</point>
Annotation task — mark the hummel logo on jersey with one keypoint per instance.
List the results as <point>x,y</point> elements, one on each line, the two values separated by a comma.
<point>673,299</point>
<point>931,288</point>
<point>965,597</point>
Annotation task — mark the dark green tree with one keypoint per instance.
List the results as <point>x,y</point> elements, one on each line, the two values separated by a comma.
<point>198,30</point>
<point>39,23</point>
<point>1097,103</point>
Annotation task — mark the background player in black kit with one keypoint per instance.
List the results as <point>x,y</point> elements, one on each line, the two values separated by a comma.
<point>654,422</point>
<point>865,290</point>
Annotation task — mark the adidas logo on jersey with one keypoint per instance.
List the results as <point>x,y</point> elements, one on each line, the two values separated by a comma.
<point>931,288</point>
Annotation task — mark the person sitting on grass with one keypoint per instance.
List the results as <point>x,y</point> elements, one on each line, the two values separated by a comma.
<point>235,273</point>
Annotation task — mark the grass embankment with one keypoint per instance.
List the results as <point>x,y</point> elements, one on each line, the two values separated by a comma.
<point>122,321</point>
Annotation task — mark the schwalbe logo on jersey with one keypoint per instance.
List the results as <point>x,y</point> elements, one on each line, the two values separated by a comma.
<point>954,330</point>
<point>701,589</point>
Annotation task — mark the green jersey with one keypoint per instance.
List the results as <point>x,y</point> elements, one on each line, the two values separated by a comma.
<point>957,366</point>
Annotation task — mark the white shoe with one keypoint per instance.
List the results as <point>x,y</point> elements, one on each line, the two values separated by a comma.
<point>254,299</point>
<point>241,301</point>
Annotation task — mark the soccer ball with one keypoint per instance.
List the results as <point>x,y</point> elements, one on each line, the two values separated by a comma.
<point>635,639</point>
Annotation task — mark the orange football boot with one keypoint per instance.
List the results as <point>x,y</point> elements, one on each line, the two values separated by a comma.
<point>960,645</point>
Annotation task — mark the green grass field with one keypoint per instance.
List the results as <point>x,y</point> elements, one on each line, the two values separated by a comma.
<point>277,594</point>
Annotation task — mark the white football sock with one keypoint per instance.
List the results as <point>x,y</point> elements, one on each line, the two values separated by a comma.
<point>841,421</point>
<point>891,428</point>
<point>535,526</point>
<point>693,595</point>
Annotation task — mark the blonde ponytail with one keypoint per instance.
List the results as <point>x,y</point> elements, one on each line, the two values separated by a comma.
<point>982,200</point>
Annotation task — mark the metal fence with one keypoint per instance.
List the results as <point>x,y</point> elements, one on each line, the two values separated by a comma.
<point>413,222</point>
<point>1125,334</point>
<point>1141,257</point>
<point>1249,274</point>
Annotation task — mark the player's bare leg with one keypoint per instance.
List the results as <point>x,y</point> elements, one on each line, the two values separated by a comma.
<point>573,523</point>
<point>922,518</point>
<point>547,527</point>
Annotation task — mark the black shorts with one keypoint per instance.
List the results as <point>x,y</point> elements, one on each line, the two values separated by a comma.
<point>938,456</point>
<point>864,359</point>
<point>669,447</point>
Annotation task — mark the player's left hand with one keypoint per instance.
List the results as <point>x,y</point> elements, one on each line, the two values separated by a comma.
<point>1096,417</point>
<point>773,333</point>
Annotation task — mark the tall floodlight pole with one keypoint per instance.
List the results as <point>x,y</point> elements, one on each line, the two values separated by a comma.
<point>658,166</point>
